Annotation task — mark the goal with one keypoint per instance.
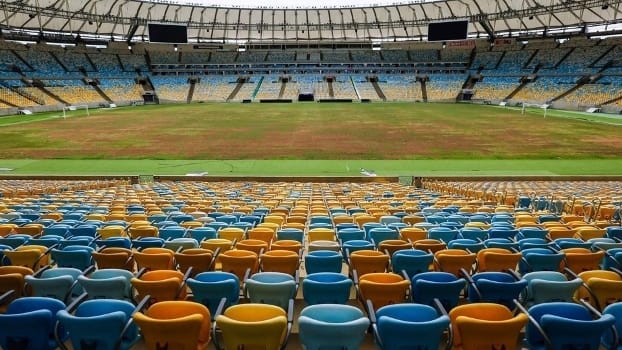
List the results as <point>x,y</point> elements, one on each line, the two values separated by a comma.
<point>533,107</point>
<point>75,108</point>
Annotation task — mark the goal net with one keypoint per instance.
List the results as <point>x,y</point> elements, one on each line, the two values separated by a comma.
<point>69,109</point>
<point>534,108</point>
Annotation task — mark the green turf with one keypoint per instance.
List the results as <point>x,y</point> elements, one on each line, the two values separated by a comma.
<point>316,167</point>
<point>29,132</point>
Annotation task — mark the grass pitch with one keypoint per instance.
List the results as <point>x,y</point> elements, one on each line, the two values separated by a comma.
<point>313,139</point>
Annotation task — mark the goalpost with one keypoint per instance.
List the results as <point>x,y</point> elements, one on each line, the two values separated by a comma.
<point>75,108</point>
<point>525,105</point>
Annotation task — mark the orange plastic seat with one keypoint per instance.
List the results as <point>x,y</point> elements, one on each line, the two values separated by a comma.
<point>241,263</point>
<point>454,260</point>
<point>160,285</point>
<point>284,261</point>
<point>497,259</point>
<point>382,289</point>
<point>390,246</point>
<point>582,259</point>
<point>114,258</point>
<point>200,259</point>
<point>154,259</point>
<point>179,325</point>
<point>254,245</point>
<point>368,261</point>
<point>480,326</point>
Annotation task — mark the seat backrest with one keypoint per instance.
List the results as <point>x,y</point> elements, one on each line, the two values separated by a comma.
<point>410,325</point>
<point>253,324</point>
<point>330,325</point>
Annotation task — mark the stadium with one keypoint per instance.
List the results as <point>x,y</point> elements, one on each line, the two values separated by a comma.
<point>311,175</point>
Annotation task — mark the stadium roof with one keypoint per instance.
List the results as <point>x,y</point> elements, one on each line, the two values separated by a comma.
<point>127,19</point>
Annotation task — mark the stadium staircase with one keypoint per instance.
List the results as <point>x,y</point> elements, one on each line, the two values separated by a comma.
<point>193,84</point>
<point>236,90</point>
<point>518,88</point>
<point>424,91</point>
<point>7,103</point>
<point>22,60</point>
<point>331,91</point>
<point>584,80</point>
<point>533,55</point>
<point>39,86</point>
<point>613,100</point>
<point>379,91</point>
<point>283,87</point>
<point>256,91</point>
<point>24,94</point>
<point>101,92</point>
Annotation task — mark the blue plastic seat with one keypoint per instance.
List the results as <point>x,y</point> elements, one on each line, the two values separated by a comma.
<point>502,232</point>
<point>444,286</point>
<point>548,286</point>
<point>409,326</point>
<point>474,233</point>
<point>17,325</point>
<point>495,287</point>
<point>202,233</point>
<point>567,326</point>
<point>531,232</point>
<point>354,245</point>
<point>101,324</point>
<point>326,288</point>
<point>294,234</point>
<point>444,234</point>
<point>57,283</point>
<point>108,284</point>
<point>326,326</point>
<point>540,259</point>
<point>350,233</point>
<point>171,232</point>
<point>147,242</point>
<point>208,288</point>
<point>411,262</point>
<point>466,244</point>
<point>609,338</point>
<point>76,256</point>
<point>323,261</point>
<point>274,288</point>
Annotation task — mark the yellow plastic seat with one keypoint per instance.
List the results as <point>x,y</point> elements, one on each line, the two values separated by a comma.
<point>136,231</point>
<point>602,288</point>
<point>320,234</point>
<point>179,325</point>
<point>231,233</point>
<point>111,231</point>
<point>31,256</point>
<point>248,326</point>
